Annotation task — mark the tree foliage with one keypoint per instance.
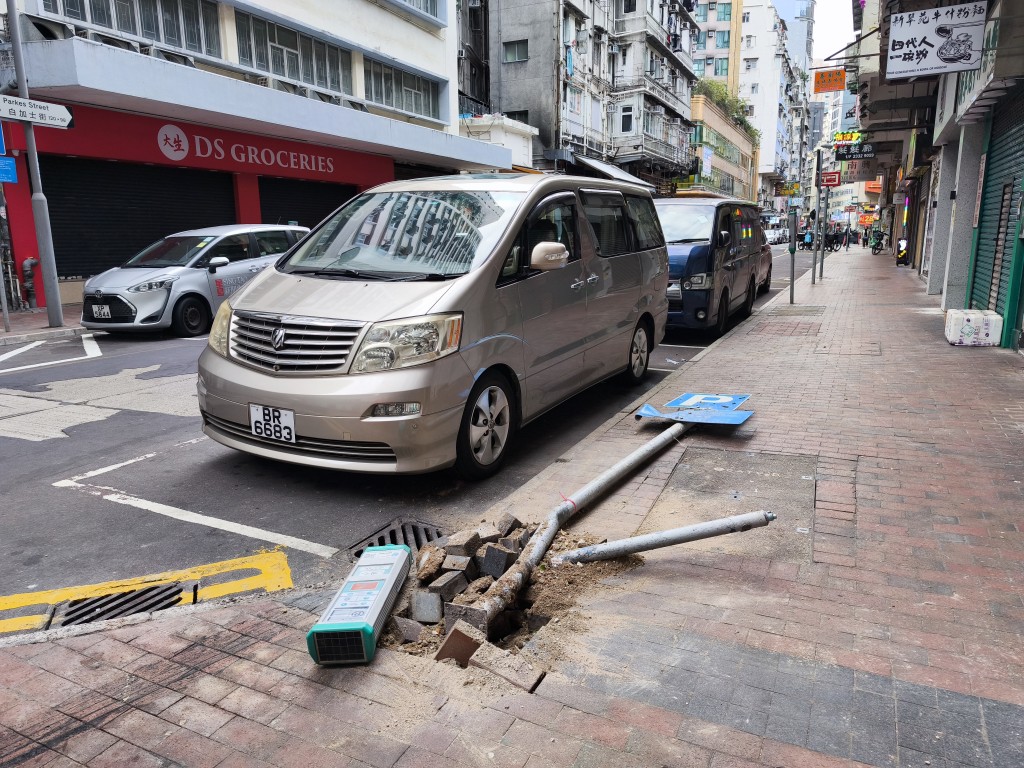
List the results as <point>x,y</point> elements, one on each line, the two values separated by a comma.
<point>733,106</point>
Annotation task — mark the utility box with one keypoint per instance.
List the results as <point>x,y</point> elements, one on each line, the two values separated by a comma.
<point>973,327</point>
<point>348,631</point>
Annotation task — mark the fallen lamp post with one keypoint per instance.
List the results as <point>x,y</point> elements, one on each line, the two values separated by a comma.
<point>707,530</point>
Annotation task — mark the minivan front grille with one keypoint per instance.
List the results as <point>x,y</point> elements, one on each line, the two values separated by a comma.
<point>120,310</point>
<point>346,450</point>
<point>290,344</point>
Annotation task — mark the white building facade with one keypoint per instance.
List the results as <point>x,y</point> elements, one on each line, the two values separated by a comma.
<point>190,113</point>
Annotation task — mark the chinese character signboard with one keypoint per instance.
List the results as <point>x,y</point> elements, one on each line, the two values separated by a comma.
<point>858,170</point>
<point>830,178</point>
<point>787,189</point>
<point>846,138</point>
<point>829,80</point>
<point>863,151</point>
<point>936,41</point>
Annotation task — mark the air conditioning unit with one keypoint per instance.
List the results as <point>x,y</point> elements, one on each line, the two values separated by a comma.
<point>473,4</point>
<point>658,109</point>
<point>613,47</point>
<point>610,107</point>
<point>712,6</point>
<point>462,53</point>
<point>113,42</point>
<point>674,121</point>
<point>277,85</point>
<point>160,53</point>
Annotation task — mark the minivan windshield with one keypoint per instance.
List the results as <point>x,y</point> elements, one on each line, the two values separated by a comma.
<point>684,222</point>
<point>174,251</point>
<point>422,235</point>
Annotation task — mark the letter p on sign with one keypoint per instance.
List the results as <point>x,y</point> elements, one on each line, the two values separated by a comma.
<point>716,402</point>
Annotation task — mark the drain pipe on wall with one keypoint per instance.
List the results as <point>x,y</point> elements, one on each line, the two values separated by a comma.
<point>611,549</point>
<point>505,590</point>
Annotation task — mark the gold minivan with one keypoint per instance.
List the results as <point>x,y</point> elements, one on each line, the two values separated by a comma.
<point>425,321</point>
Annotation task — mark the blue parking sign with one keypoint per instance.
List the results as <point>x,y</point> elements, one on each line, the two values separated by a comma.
<point>694,400</point>
<point>3,147</point>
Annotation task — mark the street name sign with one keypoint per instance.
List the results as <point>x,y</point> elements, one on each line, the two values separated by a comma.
<point>32,111</point>
<point>830,179</point>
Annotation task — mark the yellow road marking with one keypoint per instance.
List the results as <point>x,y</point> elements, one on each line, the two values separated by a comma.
<point>273,575</point>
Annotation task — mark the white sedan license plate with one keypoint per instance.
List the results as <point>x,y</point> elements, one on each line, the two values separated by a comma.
<point>272,423</point>
<point>101,311</point>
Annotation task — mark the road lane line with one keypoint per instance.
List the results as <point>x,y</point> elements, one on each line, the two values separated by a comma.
<point>224,525</point>
<point>74,480</point>
<point>89,345</point>
<point>13,352</point>
<point>119,497</point>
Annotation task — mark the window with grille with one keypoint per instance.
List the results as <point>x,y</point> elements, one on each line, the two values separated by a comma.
<point>392,87</point>
<point>274,48</point>
<point>190,24</point>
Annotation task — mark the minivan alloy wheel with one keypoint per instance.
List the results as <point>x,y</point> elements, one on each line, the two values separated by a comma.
<point>639,353</point>
<point>489,425</point>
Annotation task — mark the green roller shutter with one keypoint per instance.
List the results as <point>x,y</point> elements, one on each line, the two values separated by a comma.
<point>1000,205</point>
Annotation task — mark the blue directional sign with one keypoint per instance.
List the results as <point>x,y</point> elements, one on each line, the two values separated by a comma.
<point>714,402</point>
<point>8,171</point>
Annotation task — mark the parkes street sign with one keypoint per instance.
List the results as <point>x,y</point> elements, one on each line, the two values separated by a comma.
<point>32,111</point>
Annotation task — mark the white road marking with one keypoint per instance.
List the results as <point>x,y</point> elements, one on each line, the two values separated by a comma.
<point>119,497</point>
<point>89,345</point>
<point>13,352</point>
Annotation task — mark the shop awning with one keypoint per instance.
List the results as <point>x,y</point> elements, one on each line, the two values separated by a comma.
<point>610,171</point>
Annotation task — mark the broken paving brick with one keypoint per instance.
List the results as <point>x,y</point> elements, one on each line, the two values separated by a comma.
<point>408,629</point>
<point>464,565</point>
<point>463,543</point>
<point>461,643</point>
<point>448,585</point>
<point>428,562</point>
<point>425,607</point>
<point>514,669</point>
<point>497,560</point>
<point>508,523</point>
<point>475,617</point>
<point>488,533</point>
<point>510,543</point>
<point>476,588</point>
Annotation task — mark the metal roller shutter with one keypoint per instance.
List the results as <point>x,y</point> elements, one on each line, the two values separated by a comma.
<point>1000,205</point>
<point>305,202</point>
<point>102,213</point>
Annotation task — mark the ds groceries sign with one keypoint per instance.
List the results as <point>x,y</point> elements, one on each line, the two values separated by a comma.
<point>176,145</point>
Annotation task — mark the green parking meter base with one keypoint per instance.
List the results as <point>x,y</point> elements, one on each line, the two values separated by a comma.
<point>351,626</point>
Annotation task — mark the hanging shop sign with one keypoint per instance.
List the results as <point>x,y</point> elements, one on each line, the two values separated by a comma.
<point>830,179</point>
<point>863,151</point>
<point>829,80</point>
<point>787,189</point>
<point>858,170</point>
<point>936,41</point>
<point>847,138</point>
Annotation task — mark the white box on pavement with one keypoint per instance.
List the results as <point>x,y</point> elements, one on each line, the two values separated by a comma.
<point>973,327</point>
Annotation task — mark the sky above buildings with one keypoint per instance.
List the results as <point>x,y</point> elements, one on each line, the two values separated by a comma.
<point>833,26</point>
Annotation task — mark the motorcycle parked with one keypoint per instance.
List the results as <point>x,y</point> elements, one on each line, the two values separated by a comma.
<point>877,242</point>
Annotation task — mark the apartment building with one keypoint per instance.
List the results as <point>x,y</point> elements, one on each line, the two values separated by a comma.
<point>191,113</point>
<point>607,85</point>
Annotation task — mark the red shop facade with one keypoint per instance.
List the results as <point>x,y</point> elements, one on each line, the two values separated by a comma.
<point>116,182</point>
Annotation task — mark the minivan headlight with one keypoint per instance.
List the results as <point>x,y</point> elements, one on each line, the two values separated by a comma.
<point>153,285</point>
<point>403,343</point>
<point>220,329</point>
<point>697,282</point>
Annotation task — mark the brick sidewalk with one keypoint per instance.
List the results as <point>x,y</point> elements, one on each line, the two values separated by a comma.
<point>34,325</point>
<point>879,621</point>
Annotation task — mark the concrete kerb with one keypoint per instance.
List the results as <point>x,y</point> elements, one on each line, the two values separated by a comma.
<point>12,338</point>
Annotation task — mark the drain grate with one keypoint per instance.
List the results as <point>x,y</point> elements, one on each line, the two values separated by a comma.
<point>155,598</point>
<point>413,533</point>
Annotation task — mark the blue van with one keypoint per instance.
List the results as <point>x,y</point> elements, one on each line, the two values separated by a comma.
<point>718,259</point>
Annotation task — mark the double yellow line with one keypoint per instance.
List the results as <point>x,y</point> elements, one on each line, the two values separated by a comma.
<point>271,574</point>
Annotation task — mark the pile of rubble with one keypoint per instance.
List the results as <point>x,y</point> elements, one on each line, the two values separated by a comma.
<point>453,572</point>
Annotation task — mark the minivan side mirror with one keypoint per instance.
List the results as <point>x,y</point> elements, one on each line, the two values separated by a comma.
<point>217,261</point>
<point>549,256</point>
<point>724,238</point>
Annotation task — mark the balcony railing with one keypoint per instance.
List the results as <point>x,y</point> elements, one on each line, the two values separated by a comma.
<point>655,88</point>
<point>650,26</point>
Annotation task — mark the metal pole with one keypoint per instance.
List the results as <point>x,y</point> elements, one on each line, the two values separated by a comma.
<point>792,252</point>
<point>40,209</point>
<point>821,264</point>
<point>817,218</point>
<point>612,549</point>
<point>503,592</point>
<point>3,299</point>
